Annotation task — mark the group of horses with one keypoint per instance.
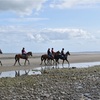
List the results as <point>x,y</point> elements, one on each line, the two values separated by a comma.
<point>55,58</point>
<point>44,58</point>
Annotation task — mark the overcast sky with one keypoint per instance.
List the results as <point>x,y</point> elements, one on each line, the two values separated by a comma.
<point>41,24</point>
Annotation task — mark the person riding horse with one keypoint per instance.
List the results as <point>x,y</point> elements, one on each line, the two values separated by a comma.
<point>23,52</point>
<point>52,51</point>
<point>20,56</point>
<point>49,53</point>
<point>62,53</point>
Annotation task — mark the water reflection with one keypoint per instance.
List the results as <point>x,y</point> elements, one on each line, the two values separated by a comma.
<point>36,71</point>
<point>19,73</point>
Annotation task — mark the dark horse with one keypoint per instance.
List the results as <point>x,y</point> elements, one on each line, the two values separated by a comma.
<point>65,57</point>
<point>47,58</point>
<point>18,56</point>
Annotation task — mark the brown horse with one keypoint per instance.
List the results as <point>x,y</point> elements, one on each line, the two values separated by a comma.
<point>18,56</point>
<point>47,58</point>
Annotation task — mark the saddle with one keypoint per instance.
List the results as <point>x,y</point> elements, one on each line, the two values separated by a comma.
<point>62,57</point>
<point>50,57</point>
<point>24,56</point>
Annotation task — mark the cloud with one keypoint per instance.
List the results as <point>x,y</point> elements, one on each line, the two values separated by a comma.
<point>22,7</point>
<point>22,20</point>
<point>13,38</point>
<point>28,34</point>
<point>62,4</point>
<point>37,37</point>
<point>27,7</point>
<point>50,34</point>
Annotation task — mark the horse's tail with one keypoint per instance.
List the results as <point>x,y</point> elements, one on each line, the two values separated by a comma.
<point>15,57</point>
<point>42,58</point>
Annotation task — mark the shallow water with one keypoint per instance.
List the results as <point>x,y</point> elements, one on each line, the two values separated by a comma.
<point>36,71</point>
<point>84,65</point>
<point>19,73</point>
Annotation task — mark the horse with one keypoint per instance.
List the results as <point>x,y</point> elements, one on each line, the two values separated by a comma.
<point>20,56</point>
<point>65,57</point>
<point>47,58</point>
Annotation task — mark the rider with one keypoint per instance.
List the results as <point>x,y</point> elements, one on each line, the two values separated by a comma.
<point>62,52</point>
<point>23,51</point>
<point>49,53</point>
<point>52,51</point>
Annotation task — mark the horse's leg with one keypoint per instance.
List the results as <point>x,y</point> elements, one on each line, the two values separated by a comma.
<point>53,62</point>
<point>15,62</point>
<point>41,62</point>
<point>25,62</point>
<point>19,62</point>
<point>48,61</point>
<point>45,61</point>
<point>56,62</point>
<point>68,63</point>
<point>28,61</point>
<point>63,63</point>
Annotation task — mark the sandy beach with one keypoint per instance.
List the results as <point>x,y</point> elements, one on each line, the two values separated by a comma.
<point>8,60</point>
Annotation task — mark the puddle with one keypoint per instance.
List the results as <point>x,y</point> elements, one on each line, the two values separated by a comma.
<point>84,65</point>
<point>36,71</point>
<point>19,73</point>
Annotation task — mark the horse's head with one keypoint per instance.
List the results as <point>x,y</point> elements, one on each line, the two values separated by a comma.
<point>58,52</point>
<point>29,53</point>
<point>67,53</point>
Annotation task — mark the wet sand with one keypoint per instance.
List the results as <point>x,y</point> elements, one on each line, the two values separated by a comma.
<point>8,60</point>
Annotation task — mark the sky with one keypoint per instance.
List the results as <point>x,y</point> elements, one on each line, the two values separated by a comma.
<point>38,25</point>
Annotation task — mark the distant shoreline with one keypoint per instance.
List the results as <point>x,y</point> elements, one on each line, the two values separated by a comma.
<point>55,51</point>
